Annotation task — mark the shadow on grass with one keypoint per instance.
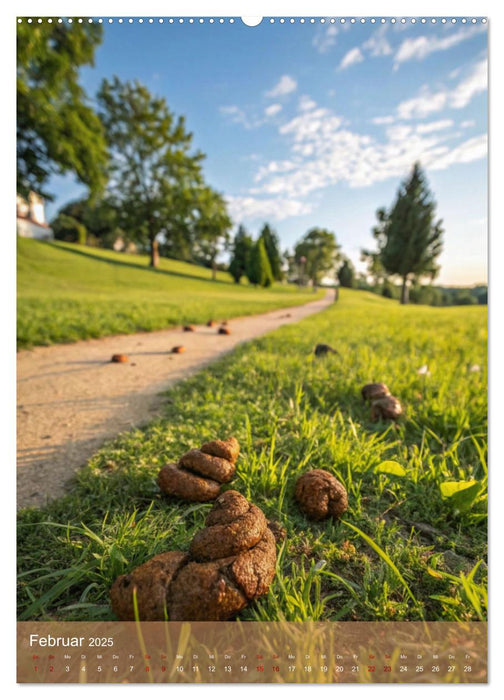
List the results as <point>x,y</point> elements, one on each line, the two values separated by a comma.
<point>135,266</point>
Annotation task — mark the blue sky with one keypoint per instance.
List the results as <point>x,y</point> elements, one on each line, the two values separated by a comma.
<point>317,124</point>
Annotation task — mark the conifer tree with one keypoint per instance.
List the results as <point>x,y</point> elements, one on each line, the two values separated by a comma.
<point>409,237</point>
<point>272,247</point>
<point>346,274</point>
<point>242,247</point>
<point>259,269</point>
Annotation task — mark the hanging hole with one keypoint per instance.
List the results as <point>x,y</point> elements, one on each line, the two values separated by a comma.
<point>251,21</point>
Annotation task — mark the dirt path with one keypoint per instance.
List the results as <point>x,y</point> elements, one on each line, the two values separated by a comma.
<point>71,398</point>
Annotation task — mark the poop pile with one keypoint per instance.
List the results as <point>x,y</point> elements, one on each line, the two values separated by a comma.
<point>321,350</point>
<point>119,358</point>
<point>320,495</point>
<point>198,475</point>
<point>231,562</point>
<point>383,404</point>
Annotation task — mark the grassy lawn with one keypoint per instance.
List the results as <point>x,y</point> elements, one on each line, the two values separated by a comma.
<point>68,292</point>
<point>409,547</point>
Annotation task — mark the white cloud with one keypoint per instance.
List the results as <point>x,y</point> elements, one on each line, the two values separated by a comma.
<point>468,123</point>
<point>325,40</point>
<point>285,85</point>
<point>272,110</point>
<point>422,46</point>
<point>428,102</point>
<point>239,116</point>
<point>383,120</point>
<point>276,208</point>
<point>475,83</point>
<point>422,105</point>
<point>377,44</point>
<point>305,103</point>
<point>282,166</point>
<point>351,57</point>
<point>399,132</point>
<point>466,152</point>
<point>434,126</point>
<point>323,152</point>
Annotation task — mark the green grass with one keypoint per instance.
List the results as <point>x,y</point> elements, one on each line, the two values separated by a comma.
<point>409,547</point>
<point>68,292</point>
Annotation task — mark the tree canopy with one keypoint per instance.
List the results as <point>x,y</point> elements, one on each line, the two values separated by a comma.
<point>86,220</point>
<point>320,252</point>
<point>240,257</point>
<point>211,226</point>
<point>259,269</point>
<point>156,181</point>
<point>346,274</point>
<point>409,238</point>
<point>272,246</point>
<point>57,130</point>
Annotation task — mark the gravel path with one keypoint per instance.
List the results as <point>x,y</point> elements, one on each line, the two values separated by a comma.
<point>71,398</point>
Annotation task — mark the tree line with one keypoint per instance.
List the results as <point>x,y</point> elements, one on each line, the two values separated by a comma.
<point>146,182</point>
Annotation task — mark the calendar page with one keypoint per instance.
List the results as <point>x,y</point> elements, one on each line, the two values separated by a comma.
<point>252,349</point>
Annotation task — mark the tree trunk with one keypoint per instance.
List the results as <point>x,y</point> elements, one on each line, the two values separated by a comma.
<point>404,291</point>
<point>154,253</point>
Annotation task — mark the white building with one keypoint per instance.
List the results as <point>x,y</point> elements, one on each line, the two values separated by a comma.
<point>30,218</point>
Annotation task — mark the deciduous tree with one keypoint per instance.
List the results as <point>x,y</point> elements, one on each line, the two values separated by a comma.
<point>57,130</point>
<point>156,182</point>
<point>321,253</point>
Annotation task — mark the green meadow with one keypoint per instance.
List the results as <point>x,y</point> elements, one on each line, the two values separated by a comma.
<point>413,542</point>
<point>68,292</point>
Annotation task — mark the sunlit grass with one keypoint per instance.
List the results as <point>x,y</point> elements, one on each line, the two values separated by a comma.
<point>411,546</point>
<point>68,292</point>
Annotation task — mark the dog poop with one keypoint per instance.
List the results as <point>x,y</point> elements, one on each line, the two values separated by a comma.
<point>198,475</point>
<point>119,358</point>
<point>224,331</point>
<point>386,407</point>
<point>321,350</point>
<point>188,328</point>
<point>178,349</point>
<point>320,495</point>
<point>371,392</point>
<point>231,563</point>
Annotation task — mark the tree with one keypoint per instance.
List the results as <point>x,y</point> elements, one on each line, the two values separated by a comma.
<point>97,217</point>
<point>375,268</point>
<point>425,294</point>
<point>388,290</point>
<point>57,130</point>
<point>259,269</point>
<point>67,228</point>
<point>272,246</point>
<point>409,238</point>
<point>242,248</point>
<point>156,183</point>
<point>346,274</point>
<point>319,251</point>
<point>210,230</point>
<point>464,298</point>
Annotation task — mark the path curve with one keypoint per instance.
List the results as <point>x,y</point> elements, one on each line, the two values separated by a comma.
<point>71,398</point>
